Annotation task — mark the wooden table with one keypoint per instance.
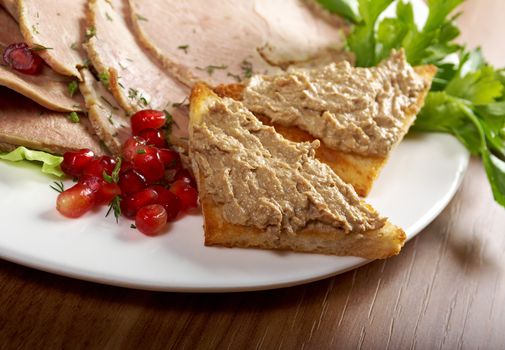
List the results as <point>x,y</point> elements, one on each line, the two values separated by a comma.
<point>445,291</point>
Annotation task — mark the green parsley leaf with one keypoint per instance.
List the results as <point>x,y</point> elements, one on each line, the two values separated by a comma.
<point>72,88</point>
<point>104,78</point>
<point>74,117</point>
<point>345,8</point>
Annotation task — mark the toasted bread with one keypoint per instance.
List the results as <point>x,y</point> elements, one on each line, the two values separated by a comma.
<point>374,244</point>
<point>358,170</point>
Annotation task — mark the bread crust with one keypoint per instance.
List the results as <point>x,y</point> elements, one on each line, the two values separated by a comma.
<point>376,244</point>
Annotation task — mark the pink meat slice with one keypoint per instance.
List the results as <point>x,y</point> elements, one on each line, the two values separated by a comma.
<point>224,41</point>
<point>24,123</point>
<point>134,78</point>
<point>11,7</point>
<point>49,89</point>
<point>59,25</point>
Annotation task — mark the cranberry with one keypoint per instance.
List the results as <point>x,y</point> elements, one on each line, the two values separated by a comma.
<point>170,159</point>
<point>185,175</point>
<point>97,166</point>
<point>153,137</point>
<point>130,205</point>
<point>131,146</point>
<point>147,119</point>
<point>187,194</point>
<point>148,163</point>
<point>75,201</point>
<point>74,162</point>
<point>151,220</point>
<point>131,181</point>
<point>20,58</point>
<point>169,201</point>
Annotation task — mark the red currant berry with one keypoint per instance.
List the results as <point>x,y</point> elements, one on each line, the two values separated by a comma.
<point>151,220</point>
<point>74,162</point>
<point>100,165</point>
<point>131,146</point>
<point>148,163</point>
<point>147,119</point>
<point>170,159</point>
<point>130,205</point>
<point>75,201</point>
<point>185,175</point>
<point>153,137</point>
<point>169,201</point>
<point>186,194</point>
<point>131,181</point>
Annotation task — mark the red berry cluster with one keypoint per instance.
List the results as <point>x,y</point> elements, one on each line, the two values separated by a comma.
<point>148,183</point>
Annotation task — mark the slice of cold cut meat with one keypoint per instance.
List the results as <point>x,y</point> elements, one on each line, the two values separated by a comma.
<point>24,123</point>
<point>224,41</point>
<point>59,25</point>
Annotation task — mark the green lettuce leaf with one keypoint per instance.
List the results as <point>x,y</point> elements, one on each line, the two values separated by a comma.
<point>50,163</point>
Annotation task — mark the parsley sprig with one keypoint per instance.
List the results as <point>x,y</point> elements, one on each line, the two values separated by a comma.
<point>467,98</point>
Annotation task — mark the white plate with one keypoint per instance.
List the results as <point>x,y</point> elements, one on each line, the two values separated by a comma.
<point>421,177</point>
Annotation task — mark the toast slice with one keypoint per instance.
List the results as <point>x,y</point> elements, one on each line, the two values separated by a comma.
<point>381,241</point>
<point>356,169</point>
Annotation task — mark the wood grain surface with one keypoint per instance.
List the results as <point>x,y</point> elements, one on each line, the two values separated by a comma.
<point>445,291</point>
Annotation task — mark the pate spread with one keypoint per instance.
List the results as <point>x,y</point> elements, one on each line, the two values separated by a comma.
<point>354,110</point>
<point>263,180</point>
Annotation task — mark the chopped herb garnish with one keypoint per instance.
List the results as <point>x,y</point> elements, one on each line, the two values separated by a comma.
<point>72,88</point>
<point>181,104</point>
<point>141,151</point>
<point>116,207</point>
<point>247,68</point>
<point>114,176</point>
<point>109,118</point>
<point>134,94</point>
<point>133,226</point>
<point>35,30</point>
<point>38,47</point>
<point>58,186</point>
<point>104,78</point>
<point>211,68</point>
<point>142,18</point>
<point>74,117</point>
<point>74,46</point>
<point>90,32</point>
<point>235,76</point>
<point>109,103</point>
<point>183,48</point>
<point>86,63</point>
<point>109,18</point>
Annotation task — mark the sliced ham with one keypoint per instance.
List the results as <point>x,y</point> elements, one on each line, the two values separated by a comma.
<point>220,42</point>
<point>24,123</point>
<point>11,7</point>
<point>49,89</point>
<point>59,25</point>
<point>109,121</point>
<point>136,81</point>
